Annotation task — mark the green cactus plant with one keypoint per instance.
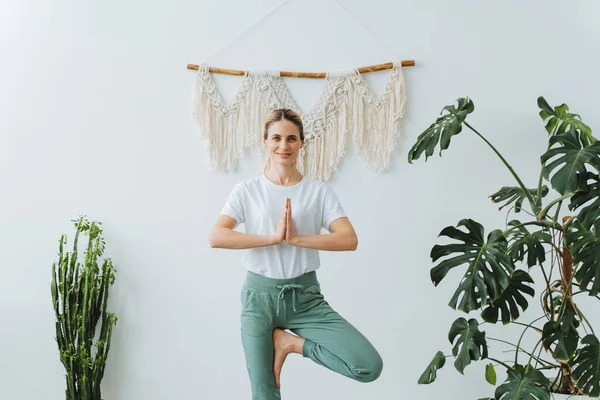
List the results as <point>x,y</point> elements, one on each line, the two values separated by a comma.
<point>79,295</point>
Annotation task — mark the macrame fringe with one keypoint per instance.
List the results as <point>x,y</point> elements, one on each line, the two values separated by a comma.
<point>346,106</point>
<point>377,122</point>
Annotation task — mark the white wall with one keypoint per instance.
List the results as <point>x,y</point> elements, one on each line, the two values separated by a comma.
<point>95,118</point>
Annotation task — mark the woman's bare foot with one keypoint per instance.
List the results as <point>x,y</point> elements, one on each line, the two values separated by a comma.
<point>284,343</point>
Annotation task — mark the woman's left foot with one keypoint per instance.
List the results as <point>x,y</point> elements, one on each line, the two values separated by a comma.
<point>284,343</point>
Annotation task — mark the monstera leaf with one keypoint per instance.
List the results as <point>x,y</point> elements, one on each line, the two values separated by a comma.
<point>589,215</point>
<point>586,366</point>
<point>562,120</point>
<point>488,267</point>
<point>588,273</point>
<point>523,384</point>
<point>510,298</point>
<point>562,333</point>
<point>583,237</point>
<point>442,130</point>
<point>567,161</point>
<point>523,243</point>
<point>470,344</point>
<point>514,194</point>
<point>430,374</point>
<point>584,245</point>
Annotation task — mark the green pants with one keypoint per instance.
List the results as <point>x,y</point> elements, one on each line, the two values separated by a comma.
<point>298,305</point>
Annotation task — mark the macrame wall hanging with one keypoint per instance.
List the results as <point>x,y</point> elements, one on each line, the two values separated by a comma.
<point>346,108</point>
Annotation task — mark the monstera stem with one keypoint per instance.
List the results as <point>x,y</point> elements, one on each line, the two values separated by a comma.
<point>521,338</point>
<point>544,212</point>
<point>505,365</point>
<point>565,382</point>
<point>567,289</point>
<point>532,202</point>
<point>538,198</point>
<point>539,192</point>
<point>567,276</point>
<point>545,224</point>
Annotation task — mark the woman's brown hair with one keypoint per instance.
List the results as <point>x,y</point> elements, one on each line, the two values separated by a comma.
<point>279,115</point>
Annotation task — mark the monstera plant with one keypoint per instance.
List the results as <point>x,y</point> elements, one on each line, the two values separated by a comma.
<point>496,268</point>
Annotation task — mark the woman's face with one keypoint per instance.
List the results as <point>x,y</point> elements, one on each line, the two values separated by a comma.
<point>283,142</point>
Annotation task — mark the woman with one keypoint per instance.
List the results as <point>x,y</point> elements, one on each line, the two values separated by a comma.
<point>284,213</point>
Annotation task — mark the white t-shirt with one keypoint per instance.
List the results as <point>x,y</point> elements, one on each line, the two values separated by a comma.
<point>259,203</point>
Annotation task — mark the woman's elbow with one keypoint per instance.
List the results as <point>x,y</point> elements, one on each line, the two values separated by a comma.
<point>353,242</point>
<point>214,240</point>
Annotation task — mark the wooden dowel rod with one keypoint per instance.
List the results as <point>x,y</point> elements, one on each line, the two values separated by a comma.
<point>362,70</point>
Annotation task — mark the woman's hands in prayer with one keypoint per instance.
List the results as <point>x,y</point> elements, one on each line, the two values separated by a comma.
<point>284,230</point>
<point>279,235</point>
<point>290,235</point>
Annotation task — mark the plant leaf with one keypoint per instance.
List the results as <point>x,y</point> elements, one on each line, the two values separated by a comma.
<point>543,104</point>
<point>488,267</point>
<point>514,194</point>
<point>430,373</point>
<point>522,242</point>
<point>584,246</point>
<point>470,343</point>
<point>442,130</point>
<point>562,333</point>
<point>567,161</point>
<point>565,121</point>
<point>586,366</point>
<point>490,374</point>
<point>589,215</point>
<point>509,299</point>
<point>523,384</point>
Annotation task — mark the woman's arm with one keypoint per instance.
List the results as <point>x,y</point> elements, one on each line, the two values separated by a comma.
<point>342,238</point>
<point>223,236</point>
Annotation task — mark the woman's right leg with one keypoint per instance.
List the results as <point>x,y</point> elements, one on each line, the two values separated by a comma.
<point>259,361</point>
<point>267,304</point>
<point>257,339</point>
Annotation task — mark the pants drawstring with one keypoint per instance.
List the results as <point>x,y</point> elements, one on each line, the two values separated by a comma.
<point>291,287</point>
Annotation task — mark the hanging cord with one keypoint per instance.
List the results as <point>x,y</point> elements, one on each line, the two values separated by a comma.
<point>247,30</point>
<point>382,42</point>
<point>377,38</point>
<point>372,68</point>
